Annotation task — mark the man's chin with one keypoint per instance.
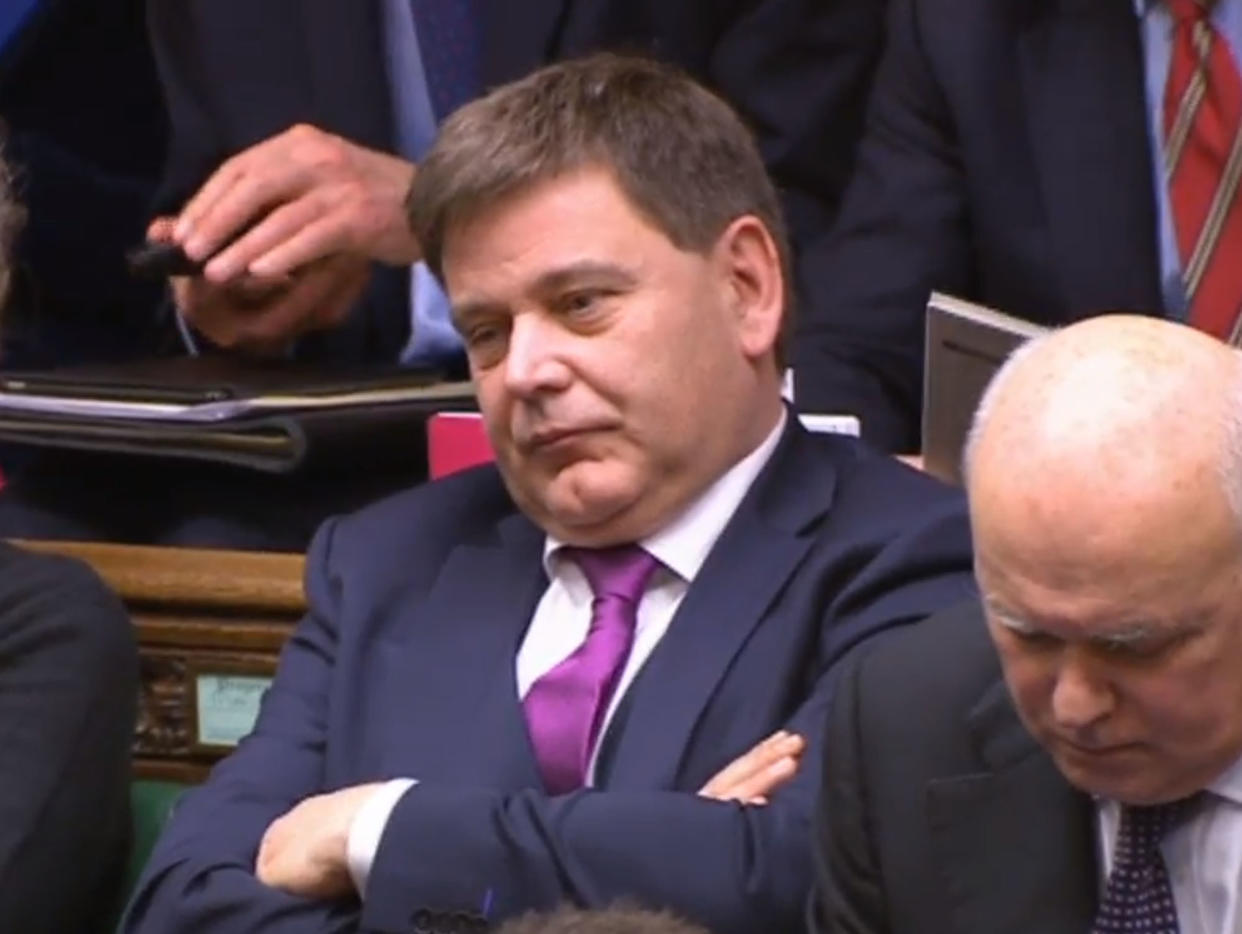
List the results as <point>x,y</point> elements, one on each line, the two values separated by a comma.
<point>592,520</point>
<point>1129,783</point>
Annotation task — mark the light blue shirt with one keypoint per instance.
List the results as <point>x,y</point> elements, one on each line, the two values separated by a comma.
<point>1156,25</point>
<point>432,336</point>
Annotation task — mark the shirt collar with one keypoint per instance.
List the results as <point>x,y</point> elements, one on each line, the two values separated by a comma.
<point>683,545</point>
<point>1229,785</point>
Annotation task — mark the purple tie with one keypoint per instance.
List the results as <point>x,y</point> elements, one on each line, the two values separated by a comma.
<point>1139,897</point>
<point>565,707</point>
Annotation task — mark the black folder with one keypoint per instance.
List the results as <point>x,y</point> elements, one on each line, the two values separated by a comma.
<point>271,416</point>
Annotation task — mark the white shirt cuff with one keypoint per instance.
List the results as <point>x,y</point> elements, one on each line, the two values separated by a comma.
<point>368,827</point>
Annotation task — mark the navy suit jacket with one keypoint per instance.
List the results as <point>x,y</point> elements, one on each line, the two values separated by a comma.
<point>236,72</point>
<point>405,667</point>
<point>940,814</point>
<point>1006,160</point>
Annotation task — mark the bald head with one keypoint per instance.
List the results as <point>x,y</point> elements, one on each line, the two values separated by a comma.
<point>1121,404</point>
<point>1104,472</point>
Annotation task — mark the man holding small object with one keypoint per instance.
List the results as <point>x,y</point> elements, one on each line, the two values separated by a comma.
<point>295,142</point>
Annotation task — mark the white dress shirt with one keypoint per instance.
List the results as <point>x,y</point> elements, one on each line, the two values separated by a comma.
<point>563,617</point>
<point>1203,857</point>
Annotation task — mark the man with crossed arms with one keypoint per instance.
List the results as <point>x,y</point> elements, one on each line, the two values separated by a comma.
<point>518,686</point>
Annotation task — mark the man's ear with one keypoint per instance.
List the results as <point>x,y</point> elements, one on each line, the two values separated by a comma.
<point>755,283</point>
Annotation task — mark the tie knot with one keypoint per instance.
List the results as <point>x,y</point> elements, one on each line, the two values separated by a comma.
<point>621,572</point>
<point>1144,826</point>
<point>1190,10</point>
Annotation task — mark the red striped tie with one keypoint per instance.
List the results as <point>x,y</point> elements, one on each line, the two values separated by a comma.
<point>1203,165</point>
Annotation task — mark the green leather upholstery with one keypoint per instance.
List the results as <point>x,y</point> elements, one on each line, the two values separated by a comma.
<point>152,803</point>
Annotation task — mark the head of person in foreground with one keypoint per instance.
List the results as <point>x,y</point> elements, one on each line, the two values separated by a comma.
<point>1104,470</point>
<point>616,261</point>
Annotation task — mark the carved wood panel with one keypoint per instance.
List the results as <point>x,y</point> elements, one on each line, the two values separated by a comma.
<point>198,613</point>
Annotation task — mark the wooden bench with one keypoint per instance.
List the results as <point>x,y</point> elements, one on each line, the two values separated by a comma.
<point>210,627</point>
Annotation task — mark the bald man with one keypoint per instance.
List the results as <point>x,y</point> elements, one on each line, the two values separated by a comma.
<point>1067,757</point>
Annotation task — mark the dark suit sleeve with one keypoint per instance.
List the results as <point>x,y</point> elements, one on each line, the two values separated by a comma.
<point>903,229</point>
<point>68,690</point>
<point>848,897</point>
<point>195,149</point>
<point>799,72</point>
<point>735,870</point>
<point>200,878</point>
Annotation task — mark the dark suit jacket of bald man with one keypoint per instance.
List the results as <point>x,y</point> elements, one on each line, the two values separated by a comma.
<point>939,814</point>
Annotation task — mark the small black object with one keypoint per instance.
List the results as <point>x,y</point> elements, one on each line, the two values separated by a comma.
<point>159,260</point>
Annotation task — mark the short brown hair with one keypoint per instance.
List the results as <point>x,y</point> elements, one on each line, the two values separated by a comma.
<point>620,919</point>
<point>680,154</point>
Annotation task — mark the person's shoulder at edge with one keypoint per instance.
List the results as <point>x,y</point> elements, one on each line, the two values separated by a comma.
<point>40,579</point>
<point>44,593</point>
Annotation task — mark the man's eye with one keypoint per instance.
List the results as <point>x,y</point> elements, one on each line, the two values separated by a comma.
<point>1035,638</point>
<point>1137,648</point>
<point>580,302</point>
<point>481,334</point>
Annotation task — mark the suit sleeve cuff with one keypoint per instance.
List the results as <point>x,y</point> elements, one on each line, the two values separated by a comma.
<point>368,827</point>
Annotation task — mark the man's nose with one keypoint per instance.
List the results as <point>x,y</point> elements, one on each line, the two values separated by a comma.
<point>535,361</point>
<point>1081,696</point>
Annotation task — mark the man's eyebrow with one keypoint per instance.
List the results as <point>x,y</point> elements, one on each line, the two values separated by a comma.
<point>1151,630</point>
<point>550,282</point>
<point>588,270</point>
<point>1130,634</point>
<point>473,308</point>
<point>1127,634</point>
<point>1011,621</point>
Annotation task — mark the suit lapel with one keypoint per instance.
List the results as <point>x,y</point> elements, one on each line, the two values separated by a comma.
<point>345,46</point>
<point>1082,75</point>
<point>759,550</point>
<point>1016,844</point>
<point>518,37</point>
<point>457,715</point>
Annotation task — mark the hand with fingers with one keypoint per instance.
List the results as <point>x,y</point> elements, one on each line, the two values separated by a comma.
<point>752,777</point>
<point>288,230</point>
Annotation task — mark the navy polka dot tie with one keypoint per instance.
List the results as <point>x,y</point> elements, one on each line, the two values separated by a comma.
<point>448,38</point>
<point>1138,898</point>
